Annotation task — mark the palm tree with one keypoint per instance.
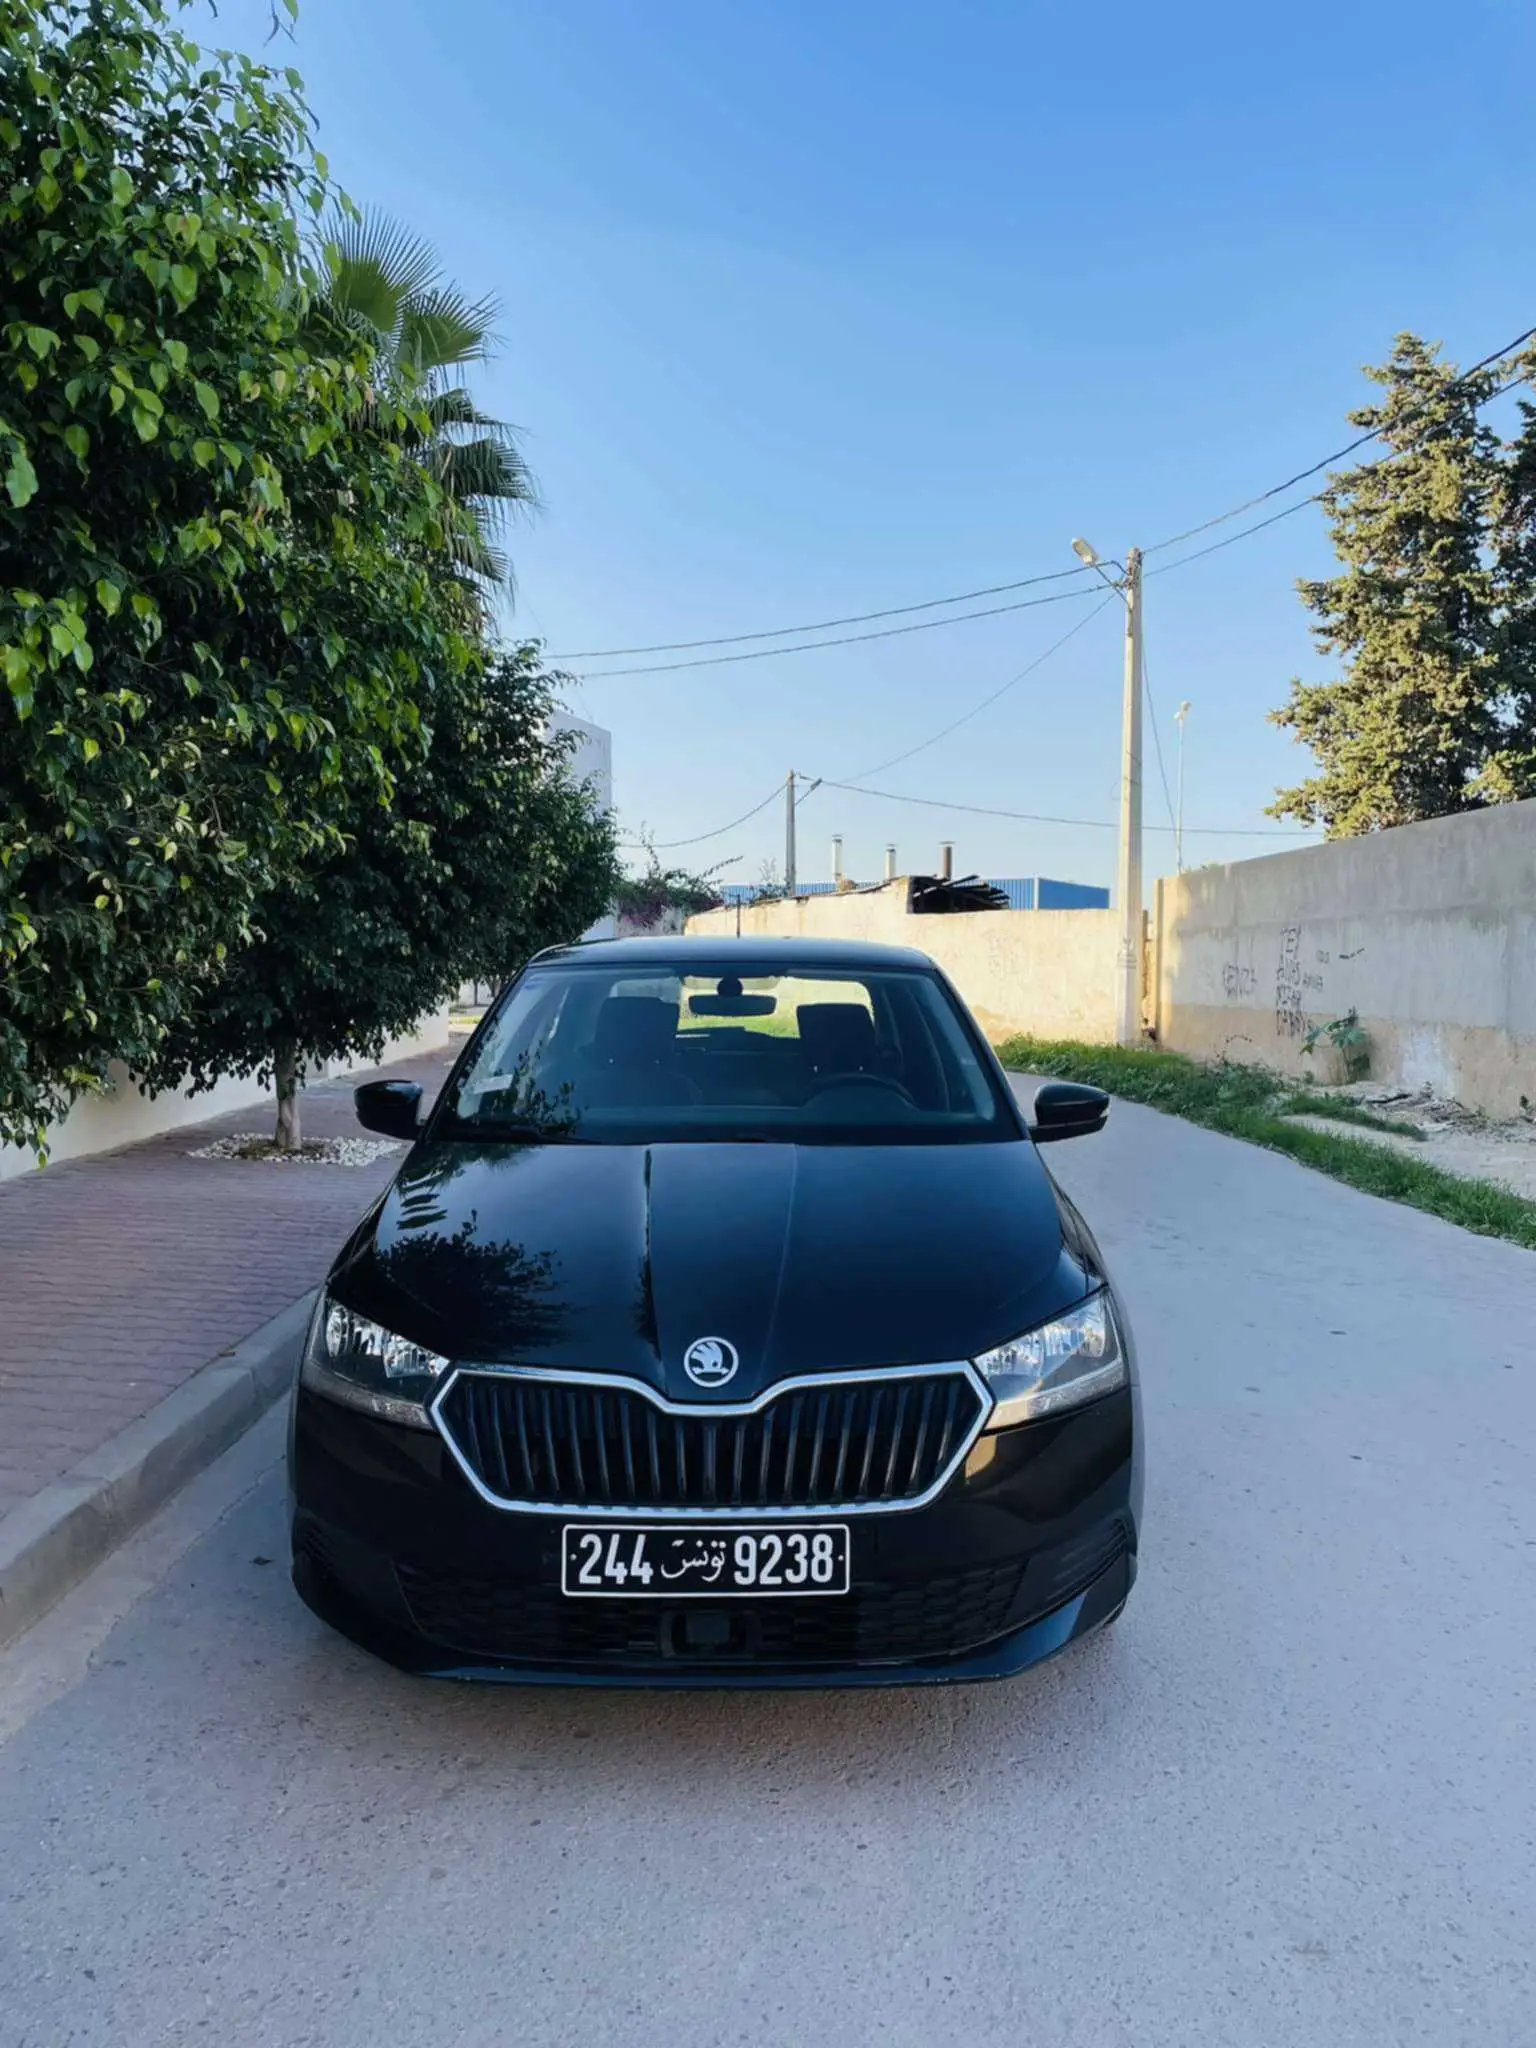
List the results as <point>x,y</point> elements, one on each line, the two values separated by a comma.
<point>384,277</point>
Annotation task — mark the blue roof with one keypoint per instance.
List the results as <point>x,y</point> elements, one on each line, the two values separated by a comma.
<point>1028,892</point>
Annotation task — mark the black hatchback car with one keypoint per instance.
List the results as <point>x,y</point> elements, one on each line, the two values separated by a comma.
<point>722,1326</point>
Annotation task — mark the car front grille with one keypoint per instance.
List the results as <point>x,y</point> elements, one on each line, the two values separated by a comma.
<point>827,1445</point>
<point>942,1616</point>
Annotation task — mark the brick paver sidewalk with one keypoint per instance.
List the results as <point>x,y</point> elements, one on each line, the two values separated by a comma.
<point>123,1274</point>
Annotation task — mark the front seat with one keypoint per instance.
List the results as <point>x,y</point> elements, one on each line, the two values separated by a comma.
<point>632,1060</point>
<point>838,1038</point>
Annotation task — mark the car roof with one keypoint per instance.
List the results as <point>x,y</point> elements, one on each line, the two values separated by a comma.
<point>705,952</point>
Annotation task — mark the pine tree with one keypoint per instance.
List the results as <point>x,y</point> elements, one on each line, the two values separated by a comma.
<point>1419,724</point>
<point>1512,772</point>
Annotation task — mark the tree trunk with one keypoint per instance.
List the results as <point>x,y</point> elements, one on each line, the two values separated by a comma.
<point>285,1085</point>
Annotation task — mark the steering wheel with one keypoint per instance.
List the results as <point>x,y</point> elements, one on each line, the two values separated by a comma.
<point>857,1080</point>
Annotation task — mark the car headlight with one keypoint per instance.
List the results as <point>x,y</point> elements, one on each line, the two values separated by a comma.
<point>1061,1364</point>
<point>363,1365</point>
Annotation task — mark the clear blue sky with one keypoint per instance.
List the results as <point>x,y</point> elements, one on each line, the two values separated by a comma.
<point>818,306</point>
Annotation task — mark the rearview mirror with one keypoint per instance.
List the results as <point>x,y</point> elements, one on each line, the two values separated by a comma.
<point>392,1108</point>
<point>1067,1109</point>
<point>732,1006</point>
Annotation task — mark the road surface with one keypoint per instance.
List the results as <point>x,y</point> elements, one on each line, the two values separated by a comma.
<point>1288,1800</point>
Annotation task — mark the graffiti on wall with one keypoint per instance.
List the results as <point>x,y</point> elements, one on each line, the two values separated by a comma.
<point>1300,981</point>
<point>1290,1020</point>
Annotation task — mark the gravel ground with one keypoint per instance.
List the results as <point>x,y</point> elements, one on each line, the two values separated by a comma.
<point>1287,1800</point>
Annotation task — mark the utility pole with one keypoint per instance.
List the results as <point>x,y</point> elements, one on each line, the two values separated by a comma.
<point>789,834</point>
<point>1130,813</point>
<point>1128,954</point>
<point>1178,808</point>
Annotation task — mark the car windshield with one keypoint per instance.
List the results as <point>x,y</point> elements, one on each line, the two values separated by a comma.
<point>607,1054</point>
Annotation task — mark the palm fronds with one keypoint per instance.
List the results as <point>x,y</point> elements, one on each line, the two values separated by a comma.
<point>385,278</point>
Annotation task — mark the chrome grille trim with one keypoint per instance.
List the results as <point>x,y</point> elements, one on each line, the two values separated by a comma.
<point>646,1450</point>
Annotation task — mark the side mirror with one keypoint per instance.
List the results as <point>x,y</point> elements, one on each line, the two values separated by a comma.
<point>392,1108</point>
<point>1067,1109</point>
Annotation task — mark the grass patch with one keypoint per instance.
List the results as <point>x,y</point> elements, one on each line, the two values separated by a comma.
<point>1343,1111</point>
<point>1246,1102</point>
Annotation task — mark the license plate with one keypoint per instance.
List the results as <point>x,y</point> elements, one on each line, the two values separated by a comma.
<point>703,1564</point>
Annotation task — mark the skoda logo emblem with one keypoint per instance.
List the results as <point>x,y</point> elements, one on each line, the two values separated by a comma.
<point>710,1361</point>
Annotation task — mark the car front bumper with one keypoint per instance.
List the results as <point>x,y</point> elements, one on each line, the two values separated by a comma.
<point>1031,1546</point>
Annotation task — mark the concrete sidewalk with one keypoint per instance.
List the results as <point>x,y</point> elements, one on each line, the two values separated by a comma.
<point>124,1275</point>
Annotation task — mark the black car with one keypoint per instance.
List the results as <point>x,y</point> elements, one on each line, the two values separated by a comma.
<point>724,1327</point>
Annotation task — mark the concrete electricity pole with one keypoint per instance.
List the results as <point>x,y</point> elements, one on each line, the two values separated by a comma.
<point>1128,865</point>
<point>789,834</point>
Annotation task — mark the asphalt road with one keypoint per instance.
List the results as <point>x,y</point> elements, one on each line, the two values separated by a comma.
<point>1287,1801</point>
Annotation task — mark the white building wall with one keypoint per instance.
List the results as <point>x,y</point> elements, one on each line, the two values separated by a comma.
<point>591,762</point>
<point>122,1116</point>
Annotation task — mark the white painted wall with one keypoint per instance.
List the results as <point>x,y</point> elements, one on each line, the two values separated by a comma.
<point>1049,972</point>
<point>122,1116</point>
<point>591,762</point>
<point>1427,932</point>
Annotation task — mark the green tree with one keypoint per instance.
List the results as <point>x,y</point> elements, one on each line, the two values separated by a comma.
<point>221,586</point>
<point>389,282</point>
<point>487,852</point>
<point>643,900</point>
<point>1513,774</point>
<point>1423,721</point>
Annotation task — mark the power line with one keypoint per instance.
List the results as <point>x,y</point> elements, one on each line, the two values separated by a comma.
<point>965,717</point>
<point>1157,738</point>
<point>1023,583</point>
<point>807,646</point>
<point>1242,533</point>
<point>666,845</point>
<point>894,611</point>
<point>1301,504</point>
<point>1303,475</point>
<point>1043,818</point>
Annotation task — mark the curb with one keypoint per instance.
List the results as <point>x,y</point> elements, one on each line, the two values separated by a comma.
<point>50,1542</point>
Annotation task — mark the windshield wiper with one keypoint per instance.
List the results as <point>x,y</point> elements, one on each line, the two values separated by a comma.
<point>508,1127</point>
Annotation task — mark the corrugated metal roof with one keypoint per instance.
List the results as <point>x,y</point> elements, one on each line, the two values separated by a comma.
<point>1026,892</point>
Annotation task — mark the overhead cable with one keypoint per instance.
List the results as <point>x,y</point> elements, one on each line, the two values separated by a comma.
<point>807,646</point>
<point>666,845</point>
<point>965,717</point>
<point>1303,475</point>
<point>1028,582</point>
<point>894,611</point>
<point>1043,818</point>
<point>1157,737</point>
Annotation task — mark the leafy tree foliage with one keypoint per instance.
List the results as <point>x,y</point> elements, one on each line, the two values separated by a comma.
<point>1514,541</point>
<point>1433,712</point>
<point>219,581</point>
<point>643,900</point>
<point>487,852</point>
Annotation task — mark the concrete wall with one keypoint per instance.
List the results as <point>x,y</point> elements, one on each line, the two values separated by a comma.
<point>1046,972</point>
<point>1429,932</point>
<point>101,1123</point>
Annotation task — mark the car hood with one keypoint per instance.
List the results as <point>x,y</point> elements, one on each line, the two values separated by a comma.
<point>806,1258</point>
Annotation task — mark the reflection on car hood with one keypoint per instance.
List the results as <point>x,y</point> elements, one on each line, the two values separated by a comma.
<point>806,1258</point>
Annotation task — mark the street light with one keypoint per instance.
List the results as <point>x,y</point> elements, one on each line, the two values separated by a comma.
<point>1128,865</point>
